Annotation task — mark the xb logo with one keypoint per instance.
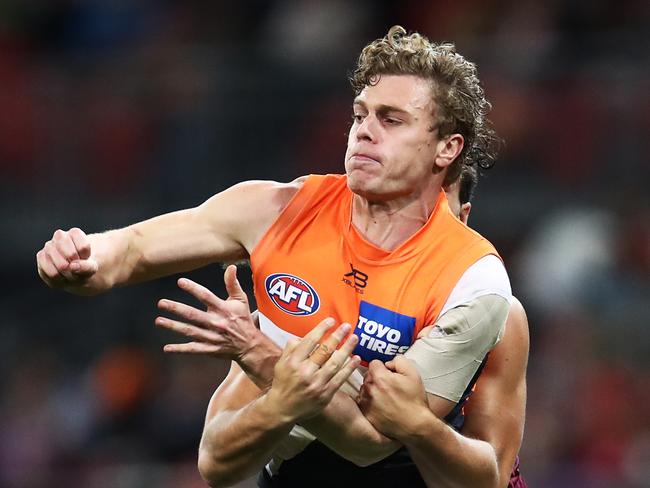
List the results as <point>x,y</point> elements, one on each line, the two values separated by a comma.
<point>356,278</point>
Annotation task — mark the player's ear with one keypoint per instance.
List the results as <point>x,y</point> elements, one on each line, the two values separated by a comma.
<point>465,209</point>
<point>448,149</point>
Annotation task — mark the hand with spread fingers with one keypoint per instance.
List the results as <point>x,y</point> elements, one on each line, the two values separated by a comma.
<point>389,390</point>
<point>225,329</point>
<point>311,371</point>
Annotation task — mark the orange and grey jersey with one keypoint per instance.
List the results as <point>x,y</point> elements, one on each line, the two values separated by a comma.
<point>313,263</point>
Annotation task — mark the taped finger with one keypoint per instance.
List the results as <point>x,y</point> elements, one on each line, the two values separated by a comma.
<point>325,349</point>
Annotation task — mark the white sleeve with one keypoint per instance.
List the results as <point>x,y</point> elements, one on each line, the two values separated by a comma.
<point>470,324</point>
<point>487,276</point>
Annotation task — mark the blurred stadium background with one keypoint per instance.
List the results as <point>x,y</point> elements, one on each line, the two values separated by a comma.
<point>116,110</point>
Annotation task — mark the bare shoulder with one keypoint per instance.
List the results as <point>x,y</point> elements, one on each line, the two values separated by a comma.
<point>517,324</point>
<point>265,197</point>
<point>248,209</point>
<point>509,358</point>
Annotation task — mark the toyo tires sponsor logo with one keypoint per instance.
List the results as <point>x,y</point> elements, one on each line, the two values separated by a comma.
<point>291,294</point>
<point>382,333</point>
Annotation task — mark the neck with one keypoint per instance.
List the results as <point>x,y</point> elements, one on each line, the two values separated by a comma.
<point>387,224</point>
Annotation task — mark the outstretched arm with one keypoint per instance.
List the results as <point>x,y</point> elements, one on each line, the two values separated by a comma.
<point>225,227</point>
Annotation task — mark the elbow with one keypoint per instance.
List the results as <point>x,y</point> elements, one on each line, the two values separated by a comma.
<point>491,477</point>
<point>215,473</point>
<point>362,461</point>
<point>366,457</point>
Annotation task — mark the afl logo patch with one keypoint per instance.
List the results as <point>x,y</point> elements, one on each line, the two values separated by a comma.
<point>291,294</point>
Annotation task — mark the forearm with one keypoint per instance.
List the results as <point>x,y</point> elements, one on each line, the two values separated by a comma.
<point>341,426</point>
<point>236,444</point>
<point>447,459</point>
<point>345,430</point>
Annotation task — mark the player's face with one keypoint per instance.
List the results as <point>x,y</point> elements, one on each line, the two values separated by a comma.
<point>393,147</point>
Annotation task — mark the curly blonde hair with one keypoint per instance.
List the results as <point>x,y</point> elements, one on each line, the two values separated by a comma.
<point>457,92</point>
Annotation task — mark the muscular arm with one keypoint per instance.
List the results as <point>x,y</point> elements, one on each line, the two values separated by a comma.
<point>227,329</point>
<point>495,413</point>
<point>240,433</point>
<point>244,426</point>
<point>225,227</point>
<point>340,426</point>
<point>345,430</point>
<point>483,455</point>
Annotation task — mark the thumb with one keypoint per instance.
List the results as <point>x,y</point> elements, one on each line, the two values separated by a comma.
<point>233,287</point>
<point>84,267</point>
<point>402,365</point>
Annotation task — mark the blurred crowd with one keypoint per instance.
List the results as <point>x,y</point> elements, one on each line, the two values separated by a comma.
<point>113,111</point>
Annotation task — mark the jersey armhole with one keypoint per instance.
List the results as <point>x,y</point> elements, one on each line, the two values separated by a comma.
<point>293,207</point>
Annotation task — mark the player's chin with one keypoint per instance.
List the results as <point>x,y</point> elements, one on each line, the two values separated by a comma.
<point>362,182</point>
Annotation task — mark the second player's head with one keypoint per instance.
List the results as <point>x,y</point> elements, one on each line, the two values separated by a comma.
<point>461,192</point>
<point>419,111</point>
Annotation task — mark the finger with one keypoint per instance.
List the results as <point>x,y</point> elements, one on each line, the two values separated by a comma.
<point>64,245</point>
<point>233,287</point>
<point>199,292</point>
<point>327,346</point>
<point>290,346</point>
<point>58,261</point>
<point>186,312</point>
<point>84,267</point>
<point>81,242</point>
<point>46,268</point>
<point>309,342</point>
<point>192,348</point>
<point>404,366</point>
<point>344,373</point>
<point>337,359</point>
<point>188,330</point>
<point>376,367</point>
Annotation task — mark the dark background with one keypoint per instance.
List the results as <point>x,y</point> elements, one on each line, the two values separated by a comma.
<point>112,111</point>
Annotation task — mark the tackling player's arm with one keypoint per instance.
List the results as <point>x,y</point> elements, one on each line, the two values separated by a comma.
<point>225,227</point>
<point>243,428</point>
<point>484,454</point>
<point>227,329</point>
<point>241,431</point>
<point>495,413</point>
<point>239,434</point>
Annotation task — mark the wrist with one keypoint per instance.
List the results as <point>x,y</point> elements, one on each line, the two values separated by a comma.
<point>259,358</point>
<point>420,424</point>
<point>271,405</point>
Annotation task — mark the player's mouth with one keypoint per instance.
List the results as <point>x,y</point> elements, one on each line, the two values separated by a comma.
<point>363,157</point>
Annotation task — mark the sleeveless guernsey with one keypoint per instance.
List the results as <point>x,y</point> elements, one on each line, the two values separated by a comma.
<point>312,263</point>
